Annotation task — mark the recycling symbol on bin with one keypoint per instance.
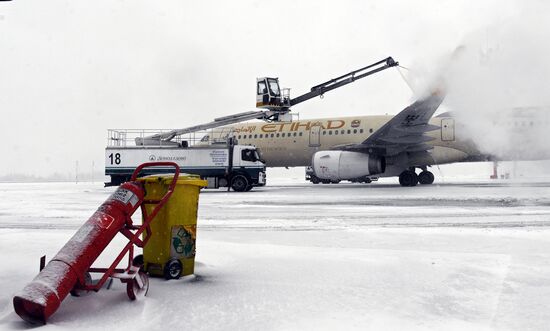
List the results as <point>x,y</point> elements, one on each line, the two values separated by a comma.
<point>183,243</point>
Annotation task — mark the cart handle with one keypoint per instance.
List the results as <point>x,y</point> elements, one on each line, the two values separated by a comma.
<point>166,196</point>
<point>158,164</point>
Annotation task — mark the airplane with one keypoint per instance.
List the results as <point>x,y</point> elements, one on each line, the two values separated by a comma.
<point>360,148</point>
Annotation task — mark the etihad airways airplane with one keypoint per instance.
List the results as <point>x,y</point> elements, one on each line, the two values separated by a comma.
<point>361,148</point>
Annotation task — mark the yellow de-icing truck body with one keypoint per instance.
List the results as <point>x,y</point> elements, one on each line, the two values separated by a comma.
<point>170,251</point>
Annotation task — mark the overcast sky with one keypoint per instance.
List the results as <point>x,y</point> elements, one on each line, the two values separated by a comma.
<point>69,70</point>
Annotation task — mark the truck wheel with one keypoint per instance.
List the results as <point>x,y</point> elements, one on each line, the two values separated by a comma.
<point>248,188</point>
<point>315,180</point>
<point>239,183</point>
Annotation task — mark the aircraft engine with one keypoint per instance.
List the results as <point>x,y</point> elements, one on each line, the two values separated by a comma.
<point>338,165</point>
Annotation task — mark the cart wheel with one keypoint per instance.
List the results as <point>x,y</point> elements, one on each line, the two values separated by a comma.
<point>138,287</point>
<point>138,262</point>
<point>76,292</point>
<point>172,269</point>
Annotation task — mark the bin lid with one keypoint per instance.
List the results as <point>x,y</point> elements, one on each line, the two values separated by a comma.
<point>183,179</point>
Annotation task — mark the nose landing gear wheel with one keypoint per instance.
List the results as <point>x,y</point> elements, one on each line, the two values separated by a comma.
<point>138,287</point>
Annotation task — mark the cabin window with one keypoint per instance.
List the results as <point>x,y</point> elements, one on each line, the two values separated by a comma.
<point>330,133</point>
<point>335,131</point>
<point>300,134</point>
<point>324,133</point>
<point>277,135</point>
<point>349,131</point>
<point>361,131</point>
<point>262,89</point>
<point>255,136</point>
<point>343,132</point>
<point>272,135</point>
<point>261,135</point>
<point>294,134</point>
<point>283,134</point>
<point>370,130</point>
<point>239,137</point>
<point>274,87</point>
<point>354,130</point>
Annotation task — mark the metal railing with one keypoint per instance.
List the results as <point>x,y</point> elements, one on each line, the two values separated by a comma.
<point>127,137</point>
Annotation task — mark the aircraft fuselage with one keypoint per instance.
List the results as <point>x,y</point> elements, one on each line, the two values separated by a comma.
<point>292,144</point>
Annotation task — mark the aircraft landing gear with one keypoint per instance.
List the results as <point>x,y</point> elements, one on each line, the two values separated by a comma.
<point>425,178</point>
<point>408,178</point>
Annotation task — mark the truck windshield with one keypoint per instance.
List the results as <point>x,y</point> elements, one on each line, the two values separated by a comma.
<point>249,155</point>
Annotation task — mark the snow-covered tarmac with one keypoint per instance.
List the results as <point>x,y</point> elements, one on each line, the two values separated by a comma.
<point>459,255</point>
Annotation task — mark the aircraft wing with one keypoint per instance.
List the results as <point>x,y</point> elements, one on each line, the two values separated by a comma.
<point>405,132</point>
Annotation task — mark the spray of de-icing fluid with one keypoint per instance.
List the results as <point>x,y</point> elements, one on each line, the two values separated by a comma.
<point>496,85</point>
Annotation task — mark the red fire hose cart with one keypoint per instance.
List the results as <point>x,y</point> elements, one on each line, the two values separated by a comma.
<point>69,270</point>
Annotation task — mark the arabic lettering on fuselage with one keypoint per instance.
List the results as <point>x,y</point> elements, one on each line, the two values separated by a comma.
<point>293,126</point>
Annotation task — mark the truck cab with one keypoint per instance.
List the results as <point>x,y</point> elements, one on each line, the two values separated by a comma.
<point>247,169</point>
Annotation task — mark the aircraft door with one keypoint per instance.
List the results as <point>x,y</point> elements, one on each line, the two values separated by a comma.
<point>447,129</point>
<point>315,136</point>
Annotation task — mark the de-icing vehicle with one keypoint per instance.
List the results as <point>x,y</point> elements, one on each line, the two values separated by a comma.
<point>223,165</point>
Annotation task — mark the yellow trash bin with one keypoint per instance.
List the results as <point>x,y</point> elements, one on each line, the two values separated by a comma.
<point>170,251</point>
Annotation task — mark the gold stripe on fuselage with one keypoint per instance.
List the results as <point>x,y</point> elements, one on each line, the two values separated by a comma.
<point>292,144</point>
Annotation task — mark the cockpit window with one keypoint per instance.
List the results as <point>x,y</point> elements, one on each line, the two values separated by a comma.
<point>205,138</point>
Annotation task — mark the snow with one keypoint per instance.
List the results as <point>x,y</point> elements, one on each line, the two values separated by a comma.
<point>463,254</point>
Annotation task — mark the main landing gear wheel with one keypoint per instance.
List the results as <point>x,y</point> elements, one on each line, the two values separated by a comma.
<point>408,178</point>
<point>426,178</point>
<point>138,287</point>
<point>239,183</point>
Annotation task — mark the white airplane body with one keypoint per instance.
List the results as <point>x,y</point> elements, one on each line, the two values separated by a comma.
<point>411,140</point>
